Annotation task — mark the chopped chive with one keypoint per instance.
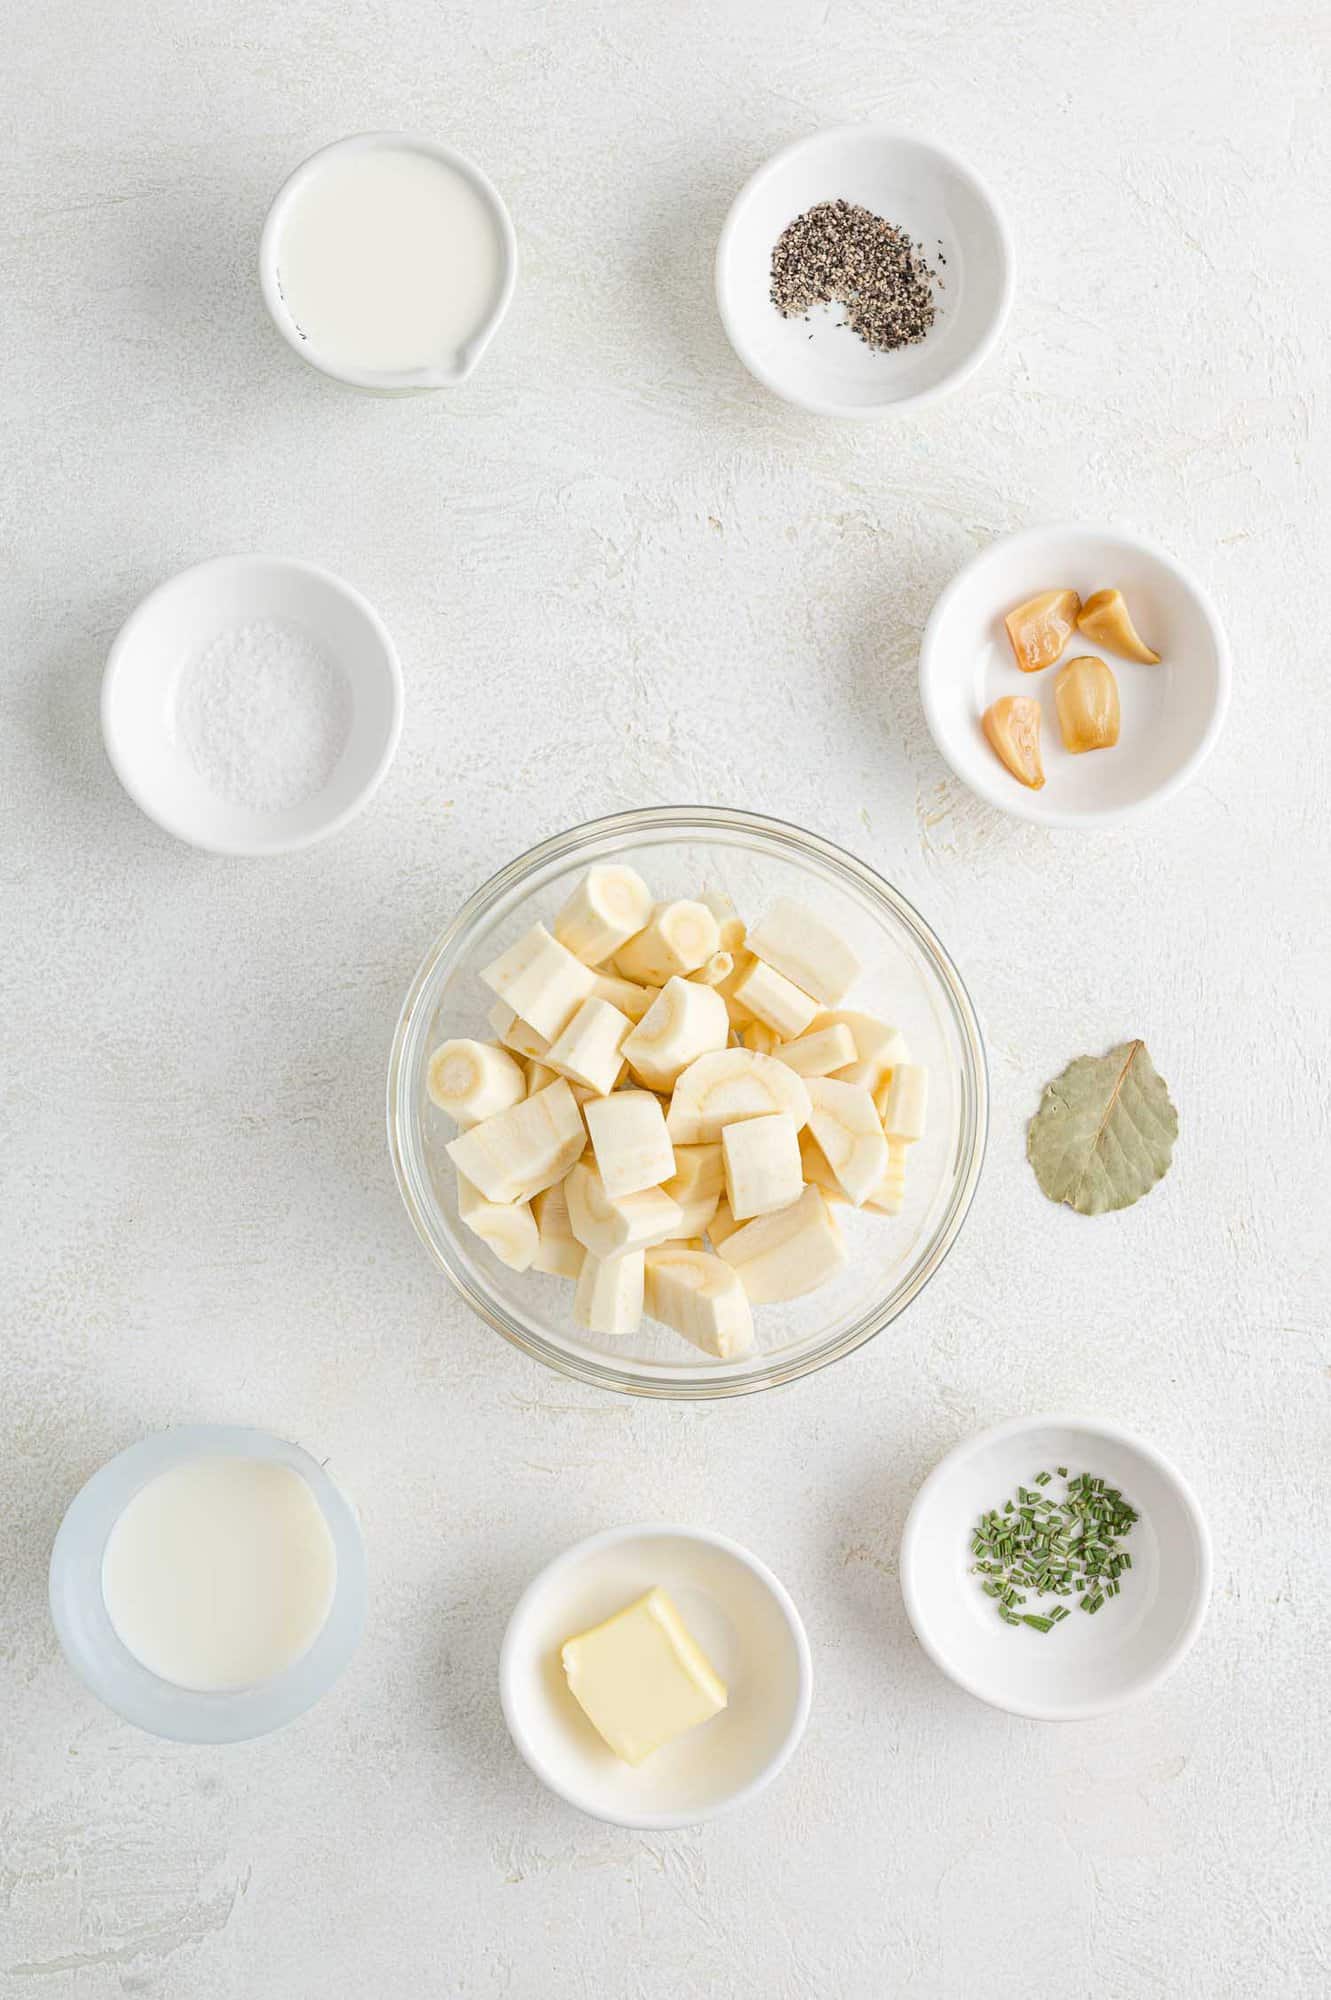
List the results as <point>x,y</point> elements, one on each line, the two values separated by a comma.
<point>1039,1546</point>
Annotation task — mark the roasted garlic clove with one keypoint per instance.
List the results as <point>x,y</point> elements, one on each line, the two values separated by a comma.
<point>1087,697</point>
<point>1013,728</point>
<point>1104,617</point>
<point>1041,627</point>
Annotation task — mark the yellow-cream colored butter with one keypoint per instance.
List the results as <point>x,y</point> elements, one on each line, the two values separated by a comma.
<point>641,1678</point>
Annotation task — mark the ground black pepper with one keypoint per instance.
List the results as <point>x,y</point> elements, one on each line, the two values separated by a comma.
<point>839,253</point>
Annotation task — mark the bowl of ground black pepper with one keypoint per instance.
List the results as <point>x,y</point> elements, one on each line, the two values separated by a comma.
<point>862,271</point>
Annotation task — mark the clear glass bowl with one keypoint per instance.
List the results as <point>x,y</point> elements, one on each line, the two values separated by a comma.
<point>100,1657</point>
<point>908,979</point>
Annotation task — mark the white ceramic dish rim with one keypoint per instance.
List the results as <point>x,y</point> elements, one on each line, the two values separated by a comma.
<point>402,380</point>
<point>122,651</point>
<point>610,1538</point>
<point>822,406</point>
<point>106,1666</point>
<point>697,821</point>
<point>1145,1683</point>
<point>1014,799</point>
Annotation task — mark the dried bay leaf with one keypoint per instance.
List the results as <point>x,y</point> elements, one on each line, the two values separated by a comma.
<point>1105,1130</point>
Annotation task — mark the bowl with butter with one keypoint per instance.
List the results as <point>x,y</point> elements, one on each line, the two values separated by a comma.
<point>655,1676</point>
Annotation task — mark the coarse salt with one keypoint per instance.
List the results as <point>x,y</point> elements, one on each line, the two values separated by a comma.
<point>263,716</point>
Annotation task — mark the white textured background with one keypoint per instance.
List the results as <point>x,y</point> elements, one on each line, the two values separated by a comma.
<point>618,572</point>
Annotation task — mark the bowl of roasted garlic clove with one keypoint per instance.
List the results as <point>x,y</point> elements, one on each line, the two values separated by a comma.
<point>1074,676</point>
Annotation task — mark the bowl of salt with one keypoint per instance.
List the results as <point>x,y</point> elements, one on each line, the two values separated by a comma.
<point>252,705</point>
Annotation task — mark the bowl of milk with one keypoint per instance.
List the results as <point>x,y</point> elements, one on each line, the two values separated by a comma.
<point>388,263</point>
<point>209,1583</point>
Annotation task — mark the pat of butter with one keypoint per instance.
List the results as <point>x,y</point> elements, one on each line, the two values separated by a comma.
<point>642,1679</point>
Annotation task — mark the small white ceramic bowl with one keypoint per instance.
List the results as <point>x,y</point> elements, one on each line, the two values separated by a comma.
<point>744,1621</point>
<point>822,366</point>
<point>105,1664</point>
<point>175,623</point>
<point>1090,1663</point>
<point>398,382</point>
<point>1172,713</point>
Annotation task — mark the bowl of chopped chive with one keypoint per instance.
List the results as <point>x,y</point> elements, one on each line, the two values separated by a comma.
<point>862,270</point>
<point>1056,1567</point>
